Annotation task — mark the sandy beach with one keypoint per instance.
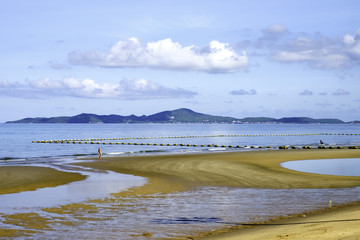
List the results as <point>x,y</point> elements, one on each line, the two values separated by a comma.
<point>255,169</point>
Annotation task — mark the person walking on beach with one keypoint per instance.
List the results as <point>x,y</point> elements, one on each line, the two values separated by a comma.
<point>100,153</point>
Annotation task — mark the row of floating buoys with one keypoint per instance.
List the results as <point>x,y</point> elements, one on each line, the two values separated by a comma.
<point>192,145</point>
<point>167,137</point>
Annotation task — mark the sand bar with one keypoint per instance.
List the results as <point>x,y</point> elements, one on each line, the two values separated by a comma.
<point>255,169</point>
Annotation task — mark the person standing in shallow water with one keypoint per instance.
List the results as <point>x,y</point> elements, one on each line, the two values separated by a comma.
<point>100,153</point>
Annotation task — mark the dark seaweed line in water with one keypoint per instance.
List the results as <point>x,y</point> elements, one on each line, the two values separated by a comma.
<point>184,220</point>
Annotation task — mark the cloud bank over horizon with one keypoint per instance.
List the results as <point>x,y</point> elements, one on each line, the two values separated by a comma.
<point>126,89</point>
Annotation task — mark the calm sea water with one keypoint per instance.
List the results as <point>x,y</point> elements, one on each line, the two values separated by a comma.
<point>17,139</point>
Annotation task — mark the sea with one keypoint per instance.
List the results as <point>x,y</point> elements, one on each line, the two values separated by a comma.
<point>158,216</point>
<point>20,141</point>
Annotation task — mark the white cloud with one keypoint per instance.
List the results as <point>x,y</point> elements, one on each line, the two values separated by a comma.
<point>165,54</point>
<point>271,35</point>
<point>243,92</point>
<point>306,93</point>
<point>341,92</point>
<point>276,29</point>
<point>88,88</point>
<point>321,52</point>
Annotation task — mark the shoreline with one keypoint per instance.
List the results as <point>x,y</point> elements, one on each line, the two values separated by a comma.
<point>255,169</point>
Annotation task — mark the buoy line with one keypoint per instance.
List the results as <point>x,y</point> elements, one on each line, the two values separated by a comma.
<point>103,141</point>
<point>77,141</point>
<point>203,136</point>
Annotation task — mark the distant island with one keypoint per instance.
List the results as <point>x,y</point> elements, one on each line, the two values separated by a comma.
<point>182,115</point>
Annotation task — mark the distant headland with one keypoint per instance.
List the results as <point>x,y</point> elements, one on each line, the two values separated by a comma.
<point>182,115</point>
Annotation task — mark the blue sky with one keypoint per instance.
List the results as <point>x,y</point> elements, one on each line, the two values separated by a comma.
<point>232,58</point>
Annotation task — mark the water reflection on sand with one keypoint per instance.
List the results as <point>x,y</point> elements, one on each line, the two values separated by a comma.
<point>339,166</point>
<point>98,184</point>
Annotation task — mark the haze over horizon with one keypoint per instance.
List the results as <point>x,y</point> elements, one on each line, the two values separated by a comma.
<point>231,58</point>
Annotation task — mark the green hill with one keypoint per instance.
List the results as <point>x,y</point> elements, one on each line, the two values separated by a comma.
<point>182,115</point>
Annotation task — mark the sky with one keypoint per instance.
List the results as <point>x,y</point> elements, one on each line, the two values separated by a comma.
<point>235,58</point>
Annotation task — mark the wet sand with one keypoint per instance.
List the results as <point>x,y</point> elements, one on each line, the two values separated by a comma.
<point>335,223</point>
<point>256,169</point>
<point>18,178</point>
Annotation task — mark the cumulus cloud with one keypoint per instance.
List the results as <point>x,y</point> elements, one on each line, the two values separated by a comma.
<point>217,57</point>
<point>88,88</point>
<point>243,92</point>
<point>306,93</point>
<point>321,52</point>
<point>341,92</point>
